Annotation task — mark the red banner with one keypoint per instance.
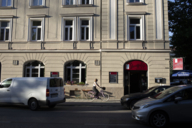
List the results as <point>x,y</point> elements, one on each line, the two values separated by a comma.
<point>178,64</point>
<point>136,65</point>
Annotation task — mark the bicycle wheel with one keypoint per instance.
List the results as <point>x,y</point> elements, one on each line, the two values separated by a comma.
<point>90,95</point>
<point>104,96</point>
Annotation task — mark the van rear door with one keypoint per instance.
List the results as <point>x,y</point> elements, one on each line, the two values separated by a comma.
<point>56,89</point>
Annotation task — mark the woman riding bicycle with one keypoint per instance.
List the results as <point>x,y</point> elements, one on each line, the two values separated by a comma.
<point>95,89</point>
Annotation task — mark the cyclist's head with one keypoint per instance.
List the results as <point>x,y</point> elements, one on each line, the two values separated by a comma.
<point>96,80</point>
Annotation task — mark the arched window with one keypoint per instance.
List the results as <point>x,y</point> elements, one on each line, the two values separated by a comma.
<point>34,69</point>
<point>75,71</point>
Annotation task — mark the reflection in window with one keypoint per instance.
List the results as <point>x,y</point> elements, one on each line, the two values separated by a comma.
<point>6,3</point>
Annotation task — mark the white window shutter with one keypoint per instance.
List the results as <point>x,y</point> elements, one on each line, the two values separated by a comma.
<point>29,30</point>
<point>142,1</point>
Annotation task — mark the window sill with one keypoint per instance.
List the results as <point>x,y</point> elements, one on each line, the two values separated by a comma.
<point>31,41</point>
<point>69,6</point>
<point>6,7</point>
<point>136,3</point>
<point>85,5</point>
<point>2,41</point>
<point>41,6</point>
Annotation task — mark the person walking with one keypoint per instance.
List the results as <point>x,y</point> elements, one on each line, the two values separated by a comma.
<point>95,89</point>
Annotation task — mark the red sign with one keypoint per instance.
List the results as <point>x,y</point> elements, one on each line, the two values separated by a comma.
<point>113,73</point>
<point>178,64</point>
<point>54,74</point>
<point>136,65</point>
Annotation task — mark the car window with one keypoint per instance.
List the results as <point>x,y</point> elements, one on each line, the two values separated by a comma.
<point>56,82</point>
<point>167,92</point>
<point>185,94</point>
<point>159,89</point>
<point>6,83</point>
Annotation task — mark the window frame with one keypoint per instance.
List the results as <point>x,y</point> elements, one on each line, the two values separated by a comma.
<point>30,29</point>
<point>80,67</point>
<point>142,28</point>
<point>39,67</point>
<point>90,19</point>
<point>10,20</point>
<point>31,4</point>
<point>135,3</point>
<point>73,28</point>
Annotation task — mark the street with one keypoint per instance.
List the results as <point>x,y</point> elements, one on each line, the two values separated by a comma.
<point>71,115</point>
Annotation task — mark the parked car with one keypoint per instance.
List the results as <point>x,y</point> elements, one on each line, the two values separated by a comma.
<point>172,105</point>
<point>33,92</point>
<point>129,100</point>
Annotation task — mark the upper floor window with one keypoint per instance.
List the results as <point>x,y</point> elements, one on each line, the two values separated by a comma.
<point>133,2</point>
<point>4,30</point>
<point>135,27</point>
<point>36,29</point>
<point>37,2</point>
<point>85,30</point>
<point>84,2</point>
<point>69,2</point>
<point>6,3</point>
<point>69,27</point>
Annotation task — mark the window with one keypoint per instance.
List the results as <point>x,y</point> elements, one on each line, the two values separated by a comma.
<point>37,2</point>
<point>4,30</point>
<point>75,71</point>
<point>84,2</point>
<point>84,29</point>
<point>69,2</point>
<point>133,1</point>
<point>6,3</point>
<point>36,29</point>
<point>135,27</point>
<point>34,69</point>
<point>6,83</point>
<point>69,27</point>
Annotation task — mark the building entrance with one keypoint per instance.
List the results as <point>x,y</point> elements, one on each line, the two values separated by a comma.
<point>0,71</point>
<point>135,77</point>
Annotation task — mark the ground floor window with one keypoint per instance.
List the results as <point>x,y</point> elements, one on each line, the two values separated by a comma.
<point>34,69</point>
<point>75,72</point>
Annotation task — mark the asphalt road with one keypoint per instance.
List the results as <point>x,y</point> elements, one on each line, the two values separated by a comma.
<point>71,115</point>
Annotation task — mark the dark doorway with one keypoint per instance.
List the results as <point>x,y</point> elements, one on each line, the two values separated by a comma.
<point>135,77</point>
<point>0,71</point>
<point>138,81</point>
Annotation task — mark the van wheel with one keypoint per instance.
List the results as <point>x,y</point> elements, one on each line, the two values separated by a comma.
<point>33,104</point>
<point>52,106</point>
<point>158,119</point>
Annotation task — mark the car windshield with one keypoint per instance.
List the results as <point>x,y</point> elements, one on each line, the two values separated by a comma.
<point>166,92</point>
<point>149,90</point>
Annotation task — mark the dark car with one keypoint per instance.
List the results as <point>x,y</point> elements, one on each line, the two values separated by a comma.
<point>130,99</point>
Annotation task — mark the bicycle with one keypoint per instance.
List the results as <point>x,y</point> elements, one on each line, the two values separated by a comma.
<point>102,95</point>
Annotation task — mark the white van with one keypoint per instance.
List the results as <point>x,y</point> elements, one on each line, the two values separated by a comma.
<point>32,91</point>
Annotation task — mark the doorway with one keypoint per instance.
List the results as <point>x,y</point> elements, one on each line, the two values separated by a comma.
<point>135,77</point>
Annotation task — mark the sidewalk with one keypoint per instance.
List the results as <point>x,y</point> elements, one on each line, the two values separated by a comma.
<point>87,102</point>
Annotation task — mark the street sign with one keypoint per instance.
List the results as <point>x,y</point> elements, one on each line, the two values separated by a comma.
<point>177,63</point>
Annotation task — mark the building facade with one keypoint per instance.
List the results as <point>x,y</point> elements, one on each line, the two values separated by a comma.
<point>122,43</point>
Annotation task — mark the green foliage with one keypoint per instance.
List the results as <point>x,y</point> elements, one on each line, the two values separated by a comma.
<point>180,23</point>
<point>81,83</point>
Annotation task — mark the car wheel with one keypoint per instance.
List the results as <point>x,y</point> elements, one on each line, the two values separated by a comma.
<point>158,119</point>
<point>132,104</point>
<point>33,104</point>
<point>52,105</point>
